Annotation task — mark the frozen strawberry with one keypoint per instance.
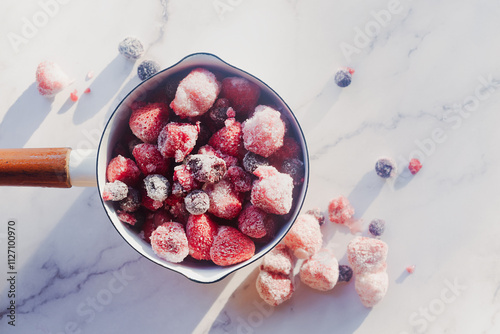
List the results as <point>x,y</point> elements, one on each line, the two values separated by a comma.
<point>148,202</point>
<point>272,192</point>
<point>278,261</point>
<point>169,242</point>
<point>148,228</point>
<point>304,238</point>
<point>149,159</point>
<point>340,211</point>
<point>177,208</point>
<point>367,255</point>
<point>318,214</point>
<point>201,232</point>
<point>206,168</point>
<point>161,217</point>
<point>146,122</point>
<point>230,246</point>
<point>228,159</point>
<point>123,169</point>
<point>273,288</point>
<point>241,93</point>
<point>252,221</point>
<point>224,200</point>
<point>241,180</point>
<point>177,140</point>
<point>263,133</point>
<point>132,202</point>
<point>289,150</point>
<point>50,78</point>
<point>197,202</point>
<point>184,181</point>
<point>228,140</point>
<point>195,94</point>
<point>126,217</point>
<point>321,271</point>
<point>114,191</point>
<point>414,166</point>
<point>371,287</point>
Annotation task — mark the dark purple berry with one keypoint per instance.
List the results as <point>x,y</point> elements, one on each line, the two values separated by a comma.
<point>132,202</point>
<point>385,168</point>
<point>252,161</point>
<point>345,273</point>
<point>343,78</point>
<point>147,68</point>
<point>294,168</point>
<point>377,227</point>
<point>206,168</point>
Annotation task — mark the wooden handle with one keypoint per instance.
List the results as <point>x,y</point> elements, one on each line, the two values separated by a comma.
<point>35,167</point>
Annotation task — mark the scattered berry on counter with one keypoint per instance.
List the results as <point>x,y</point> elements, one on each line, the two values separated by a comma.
<point>177,140</point>
<point>147,121</point>
<point>414,166</point>
<point>147,69</point>
<point>74,95</point>
<point>371,287</point>
<point>230,246</point>
<point>201,232</point>
<point>377,227</point>
<point>252,161</point>
<point>304,238</point>
<point>114,191</point>
<point>263,133</point>
<point>241,93</point>
<point>90,75</point>
<point>197,202</point>
<point>345,273</point>
<point>169,242</point>
<point>386,168</point>
<point>131,48</point>
<point>123,169</point>
<point>274,288</point>
<point>410,269</point>
<point>321,271</point>
<point>50,78</point>
<point>278,261</point>
<point>343,77</point>
<point>86,91</point>
<point>340,211</point>
<point>273,191</point>
<point>157,187</point>
<point>318,214</point>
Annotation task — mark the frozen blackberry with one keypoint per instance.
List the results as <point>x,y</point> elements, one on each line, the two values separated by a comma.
<point>377,227</point>
<point>132,202</point>
<point>252,161</point>
<point>345,273</point>
<point>343,77</point>
<point>147,68</point>
<point>157,187</point>
<point>294,168</point>
<point>385,168</point>
<point>131,48</point>
<point>206,168</point>
<point>197,202</point>
<point>316,212</point>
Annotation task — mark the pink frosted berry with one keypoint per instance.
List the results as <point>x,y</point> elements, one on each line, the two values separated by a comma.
<point>367,255</point>
<point>224,200</point>
<point>241,93</point>
<point>371,287</point>
<point>169,242</point>
<point>123,169</point>
<point>228,140</point>
<point>340,210</point>
<point>410,269</point>
<point>184,181</point>
<point>114,191</point>
<point>253,222</point>
<point>278,261</point>
<point>206,168</point>
<point>414,166</point>
<point>149,159</point>
<point>272,192</point>
<point>177,140</point>
<point>228,159</point>
<point>126,217</point>
<point>263,133</point>
<point>273,288</point>
<point>201,232</point>
<point>230,246</point>
<point>241,180</point>
<point>147,121</point>
<point>321,271</point>
<point>304,238</point>
<point>50,78</point>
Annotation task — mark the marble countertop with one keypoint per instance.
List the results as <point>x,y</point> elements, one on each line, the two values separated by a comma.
<point>427,85</point>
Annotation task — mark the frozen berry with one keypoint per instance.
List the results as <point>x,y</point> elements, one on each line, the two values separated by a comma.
<point>252,161</point>
<point>126,217</point>
<point>148,228</point>
<point>294,168</point>
<point>177,140</point>
<point>273,288</point>
<point>74,96</point>
<point>218,112</point>
<point>50,78</point>
<point>343,76</point>
<point>131,48</point>
<point>123,169</point>
<point>318,214</point>
<point>304,238</point>
<point>157,187</point>
<point>147,121</point>
<point>224,200</point>
<point>148,202</point>
<point>197,202</point>
<point>289,150</point>
<point>177,208</point>
<point>231,246</point>
<point>195,94</point>
<point>228,159</point>
<point>242,94</point>
<point>272,192</point>
<point>278,261</point>
<point>414,166</point>
<point>371,287</point>
<point>184,180</point>
<point>321,271</point>
<point>263,133</point>
<point>169,242</point>
<point>367,255</point>
<point>340,211</point>
<point>206,168</point>
<point>386,168</point>
<point>252,221</point>
<point>132,202</point>
<point>114,191</point>
<point>149,159</point>
<point>345,273</point>
<point>377,227</point>
<point>228,140</point>
<point>201,232</point>
<point>241,180</point>
<point>147,69</point>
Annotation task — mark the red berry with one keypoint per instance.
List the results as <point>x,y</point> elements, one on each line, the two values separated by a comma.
<point>147,121</point>
<point>241,180</point>
<point>200,231</point>
<point>231,246</point>
<point>126,217</point>
<point>252,221</point>
<point>149,159</point>
<point>50,78</point>
<point>228,140</point>
<point>414,166</point>
<point>87,90</point>
<point>148,202</point>
<point>241,93</point>
<point>177,208</point>
<point>123,169</point>
<point>224,200</point>
<point>169,242</point>
<point>289,150</point>
<point>185,178</point>
<point>74,96</point>
<point>177,140</point>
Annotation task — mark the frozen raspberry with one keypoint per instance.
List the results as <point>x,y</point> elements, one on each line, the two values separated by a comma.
<point>177,140</point>
<point>273,191</point>
<point>289,150</point>
<point>224,200</point>
<point>371,287</point>
<point>149,159</point>
<point>157,187</point>
<point>386,168</point>
<point>263,133</point>
<point>278,261</point>
<point>177,208</point>
<point>132,202</point>
<point>273,288</point>
<point>146,122</point>
<point>50,78</point>
<point>318,214</point>
<point>252,161</point>
<point>131,48</point>
<point>230,246</point>
<point>377,227</point>
<point>241,93</point>
<point>114,191</point>
<point>206,168</point>
<point>410,269</point>
<point>294,168</point>
<point>195,94</point>
<point>197,202</point>
<point>367,255</point>
<point>228,159</point>
<point>340,211</point>
<point>201,232</point>
<point>321,271</point>
<point>123,169</point>
<point>184,181</point>
<point>304,238</point>
<point>343,76</point>
<point>169,242</point>
<point>414,166</point>
<point>126,217</point>
<point>228,140</point>
<point>148,202</point>
<point>345,273</point>
<point>218,112</point>
<point>241,180</point>
<point>252,221</point>
<point>147,69</point>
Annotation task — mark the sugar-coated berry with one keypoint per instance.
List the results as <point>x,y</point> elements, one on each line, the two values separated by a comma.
<point>367,255</point>
<point>132,202</point>
<point>278,261</point>
<point>147,69</point>
<point>224,200</point>
<point>87,90</point>
<point>340,211</point>
<point>263,133</point>
<point>197,202</point>
<point>114,191</point>
<point>169,242</point>
<point>184,180</point>
<point>345,273</point>
<point>157,187</point>
<point>371,287</point>
<point>201,232</point>
<point>230,246</point>
<point>149,159</point>
<point>295,168</point>
<point>273,191</point>
<point>218,112</point>
<point>148,228</point>
<point>126,217</point>
<point>343,77</point>
<point>123,169</point>
<point>321,271</point>
<point>131,48</point>
<point>148,120</point>
<point>228,140</point>
<point>386,168</point>
<point>206,168</point>
<point>304,238</point>
<point>252,222</point>
<point>242,94</point>
<point>377,227</point>
<point>177,140</point>
<point>414,166</point>
<point>241,180</point>
<point>273,288</point>
<point>177,208</point>
<point>50,78</point>
<point>318,214</point>
<point>228,159</point>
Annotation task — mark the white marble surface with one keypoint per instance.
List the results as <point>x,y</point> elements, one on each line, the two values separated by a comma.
<point>427,80</point>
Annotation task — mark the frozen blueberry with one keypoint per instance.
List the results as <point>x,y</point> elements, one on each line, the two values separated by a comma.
<point>197,202</point>
<point>294,168</point>
<point>131,48</point>
<point>316,212</point>
<point>345,273</point>
<point>147,68</point>
<point>132,202</point>
<point>385,167</point>
<point>252,161</point>
<point>157,187</point>
<point>343,77</point>
<point>377,227</point>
